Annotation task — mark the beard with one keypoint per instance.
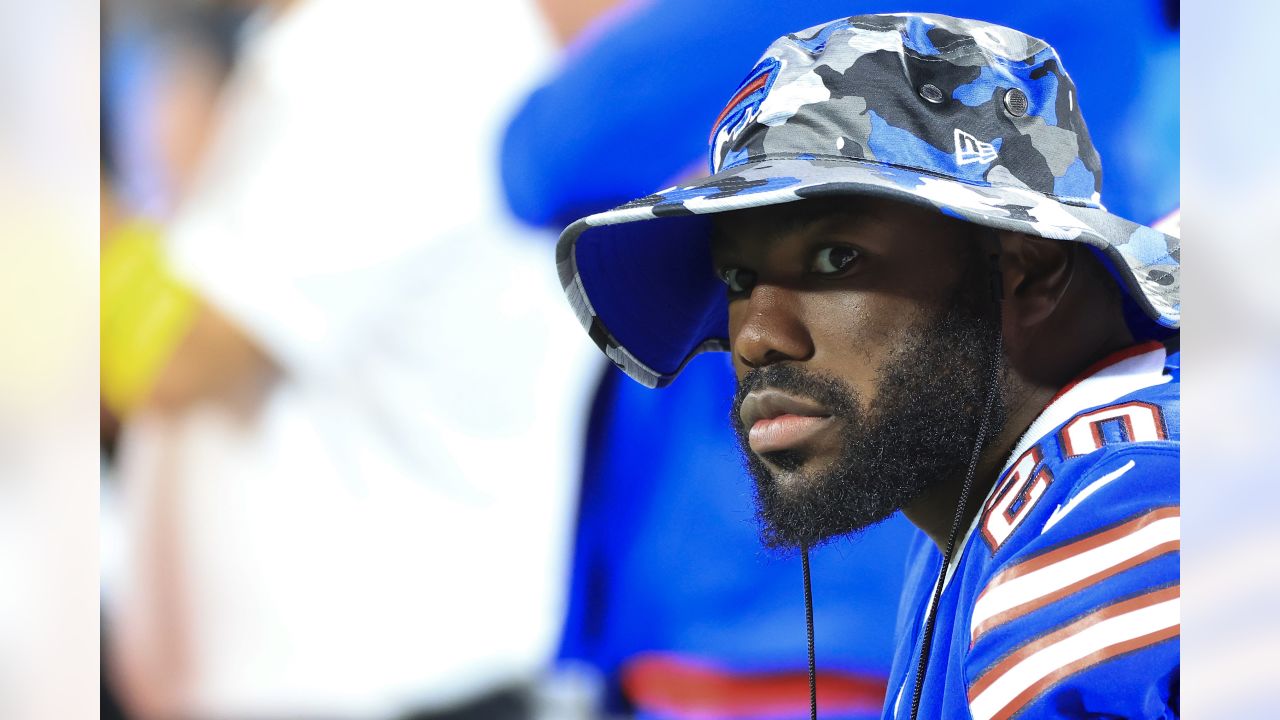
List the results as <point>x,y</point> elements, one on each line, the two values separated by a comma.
<point>919,432</point>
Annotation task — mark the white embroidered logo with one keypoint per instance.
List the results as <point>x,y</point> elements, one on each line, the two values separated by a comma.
<point>970,149</point>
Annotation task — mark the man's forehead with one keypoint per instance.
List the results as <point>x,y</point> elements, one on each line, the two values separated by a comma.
<point>778,221</point>
<point>731,230</point>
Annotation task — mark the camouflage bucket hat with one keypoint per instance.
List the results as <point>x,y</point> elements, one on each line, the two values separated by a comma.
<point>975,120</point>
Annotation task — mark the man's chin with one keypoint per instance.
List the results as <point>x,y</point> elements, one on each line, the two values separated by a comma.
<point>780,535</point>
<point>807,507</point>
<point>795,515</point>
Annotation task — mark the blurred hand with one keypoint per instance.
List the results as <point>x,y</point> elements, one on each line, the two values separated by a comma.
<point>216,361</point>
<point>568,18</point>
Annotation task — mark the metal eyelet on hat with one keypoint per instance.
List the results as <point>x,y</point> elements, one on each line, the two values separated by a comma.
<point>1015,101</point>
<point>930,92</point>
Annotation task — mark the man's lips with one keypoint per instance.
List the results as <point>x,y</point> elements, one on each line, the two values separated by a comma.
<point>780,421</point>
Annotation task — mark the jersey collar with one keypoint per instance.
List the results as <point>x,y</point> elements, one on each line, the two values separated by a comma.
<point>1111,378</point>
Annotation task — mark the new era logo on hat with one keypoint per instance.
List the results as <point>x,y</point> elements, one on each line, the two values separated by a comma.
<point>970,149</point>
<point>972,119</point>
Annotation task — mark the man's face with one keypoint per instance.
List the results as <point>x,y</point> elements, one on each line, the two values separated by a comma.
<point>862,334</point>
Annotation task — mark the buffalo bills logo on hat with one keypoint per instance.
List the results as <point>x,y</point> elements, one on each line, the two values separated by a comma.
<point>745,103</point>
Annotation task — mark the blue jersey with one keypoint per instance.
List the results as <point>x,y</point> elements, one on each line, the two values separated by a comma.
<point>1063,601</point>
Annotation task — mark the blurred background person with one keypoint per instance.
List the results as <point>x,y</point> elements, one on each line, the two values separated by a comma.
<point>162,69</point>
<point>673,601</point>
<point>352,399</point>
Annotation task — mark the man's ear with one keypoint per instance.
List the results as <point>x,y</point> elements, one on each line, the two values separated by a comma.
<point>1036,273</point>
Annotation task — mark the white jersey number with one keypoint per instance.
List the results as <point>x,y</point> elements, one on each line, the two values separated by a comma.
<point>1023,488</point>
<point>1141,422</point>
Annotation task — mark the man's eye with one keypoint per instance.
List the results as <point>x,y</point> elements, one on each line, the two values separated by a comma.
<point>833,260</point>
<point>738,279</point>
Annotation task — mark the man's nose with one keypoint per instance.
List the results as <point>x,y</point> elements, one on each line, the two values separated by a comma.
<point>772,329</point>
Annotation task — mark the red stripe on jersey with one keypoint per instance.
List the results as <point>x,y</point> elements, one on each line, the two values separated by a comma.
<point>1110,611</point>
<point>1083,664</point>
<point>1067,552</point>
<point>686,687</point>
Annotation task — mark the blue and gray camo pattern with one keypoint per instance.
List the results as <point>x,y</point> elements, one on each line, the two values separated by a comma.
<point>978,121</point>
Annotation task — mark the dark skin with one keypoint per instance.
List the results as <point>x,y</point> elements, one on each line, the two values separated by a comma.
<point>830,284</point>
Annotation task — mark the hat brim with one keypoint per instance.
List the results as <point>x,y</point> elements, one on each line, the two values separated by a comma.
<point>647,294</point>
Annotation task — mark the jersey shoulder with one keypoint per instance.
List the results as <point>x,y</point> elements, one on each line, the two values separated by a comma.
<point>1137,436</point>
<point>1076,608</point>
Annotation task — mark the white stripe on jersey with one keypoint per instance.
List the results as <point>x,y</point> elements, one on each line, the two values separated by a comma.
<point>1062,510</point>
<point>1045,578</point>
<point>1110,631</point>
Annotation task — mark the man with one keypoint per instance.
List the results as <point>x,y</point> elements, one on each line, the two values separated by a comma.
<point>903,248</point>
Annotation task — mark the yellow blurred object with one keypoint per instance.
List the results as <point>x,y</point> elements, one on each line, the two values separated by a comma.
<point>146,312</point>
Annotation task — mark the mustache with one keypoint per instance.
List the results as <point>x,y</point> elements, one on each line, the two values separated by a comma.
<point>830,392</point>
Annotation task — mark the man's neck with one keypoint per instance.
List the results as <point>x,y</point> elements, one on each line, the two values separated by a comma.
<point>934,512</point>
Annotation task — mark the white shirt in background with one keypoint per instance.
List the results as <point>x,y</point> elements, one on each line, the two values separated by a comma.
<point>391,530</point>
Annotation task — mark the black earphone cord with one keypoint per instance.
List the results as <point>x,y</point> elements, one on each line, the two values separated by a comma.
<point>926,643</point>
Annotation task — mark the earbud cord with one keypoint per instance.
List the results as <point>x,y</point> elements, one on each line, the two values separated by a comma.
<point>927,641</point>
<point>808,619</point>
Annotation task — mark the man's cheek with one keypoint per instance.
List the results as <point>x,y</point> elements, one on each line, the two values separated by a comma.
<point>853,341</point>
